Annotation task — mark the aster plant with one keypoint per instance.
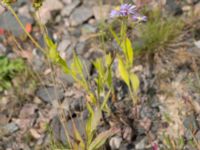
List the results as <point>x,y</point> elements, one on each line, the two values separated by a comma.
<point>125,61</point>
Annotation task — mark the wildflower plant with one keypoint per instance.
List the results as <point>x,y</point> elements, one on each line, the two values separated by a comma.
<point>124,12</point>
<point>103,80</point>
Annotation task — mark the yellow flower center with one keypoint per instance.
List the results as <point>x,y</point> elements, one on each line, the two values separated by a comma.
<point>117,8</point>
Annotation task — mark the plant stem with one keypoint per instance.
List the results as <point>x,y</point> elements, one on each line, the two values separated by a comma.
<point>24,29</point>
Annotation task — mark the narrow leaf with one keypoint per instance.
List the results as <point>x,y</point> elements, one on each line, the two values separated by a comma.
<point>78,137</point>
<point>135,82</point>
<point>101,139</point>
<point>123,72</point>
<point>126,47</point>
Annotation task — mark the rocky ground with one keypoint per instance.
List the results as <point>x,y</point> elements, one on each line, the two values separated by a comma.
<point>169,89</point>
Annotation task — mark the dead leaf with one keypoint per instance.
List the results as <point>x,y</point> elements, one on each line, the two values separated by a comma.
<point>34,133</point>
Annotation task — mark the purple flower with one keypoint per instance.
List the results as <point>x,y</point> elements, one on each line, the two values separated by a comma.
<point>127,9</point>
<point>114,13</point>
<point>140,18</point>
<point>123,10</point>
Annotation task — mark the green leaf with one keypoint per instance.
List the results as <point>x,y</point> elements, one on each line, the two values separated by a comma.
<point>108,59</point>
<point>105,100</point>
<point>114,35</point>
<point>123,72</point>
<point>126,47</point>
<point>92,122</point>
<point>54,55</point>
<point>135,82</point>
<point>109,77</point>
<point>99,66</point>
<point>101,139</point>
<point>78,137</point>
<point>89,132</point>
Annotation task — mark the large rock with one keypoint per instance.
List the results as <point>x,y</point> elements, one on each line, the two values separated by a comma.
<point>9,23</point>
<point>190,123</point>
<point>80,15</point>
<point>101,12</point>
<point>70,7</point>
<point>8,129</point>
<point>46,9</point>
<point>48,94</point>
<point>63,45</point>
<point>173,7</point>
<point>88,29</point>
<point>25,11</point>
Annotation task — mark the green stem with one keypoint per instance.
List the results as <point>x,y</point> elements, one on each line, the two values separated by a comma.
<point>132,96</point>
<point>24,29</point>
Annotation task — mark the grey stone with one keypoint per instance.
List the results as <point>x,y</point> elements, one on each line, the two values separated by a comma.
<point>48,94</point>
<point>9,23</point>
<point>197,43</point>
<point>125,146</point>
<point>142,144</point>
<point>46,9</point>
<point>2,49</point>
<point>115,142</point>
<point>58,19</point>
<point>38,64</point>
<point>188,134</point>
<point>146,112</point>
<point>64,44</point>
<point>141,130</point>
<point>190,123</point>
<point>87,29</point>
<point>60,132</point>
<point>173,7</point>
<point>66,22</point>
<point>8,129</point>
<point>84,114</point>
<point>66,78</point>
<point>101,12</point>
<point>90,2</point>
<point>67,10</point>
<point>19,3</point>
<point>24,11</point>
<point>80,47</point>
<point>67,1</point>
<point>80,15</point>
<point>197,136</point>
<point>77,105</point>
<point>75,31</point>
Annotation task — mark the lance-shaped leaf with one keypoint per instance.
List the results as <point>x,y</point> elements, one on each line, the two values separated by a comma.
<point>92,122</point>
<point>80,143</point>
<point>123,71</point>
<point>101,139</point>
<point>126,47</point>
<point>135,82</point>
